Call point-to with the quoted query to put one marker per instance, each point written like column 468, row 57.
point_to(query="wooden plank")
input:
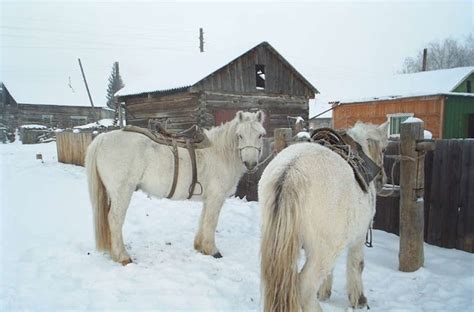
column 452, row 194
column 467, row 198
column 427, row 195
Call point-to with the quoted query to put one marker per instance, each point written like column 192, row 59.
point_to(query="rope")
column 399, row 158
column 261, row 163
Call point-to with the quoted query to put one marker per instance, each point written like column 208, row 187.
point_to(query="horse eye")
column 240, row 137
column 260, row 136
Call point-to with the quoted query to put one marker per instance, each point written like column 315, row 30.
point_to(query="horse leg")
column 311, row 277
column 325, row 290
column 116, row 217
column 355, row 266
column 205, row 237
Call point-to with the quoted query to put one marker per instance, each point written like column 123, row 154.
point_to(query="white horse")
column 120, row 162
column 310, row 199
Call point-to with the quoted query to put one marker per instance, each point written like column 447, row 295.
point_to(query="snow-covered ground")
column 48, row 261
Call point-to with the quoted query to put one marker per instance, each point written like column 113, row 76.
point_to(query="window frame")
column 396, row 115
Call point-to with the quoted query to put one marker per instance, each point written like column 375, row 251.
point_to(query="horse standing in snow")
column 120, row 162
column 310, row 199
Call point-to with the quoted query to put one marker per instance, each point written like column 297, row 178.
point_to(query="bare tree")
column 446, row 54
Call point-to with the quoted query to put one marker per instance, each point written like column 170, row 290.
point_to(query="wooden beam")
column 411, row 256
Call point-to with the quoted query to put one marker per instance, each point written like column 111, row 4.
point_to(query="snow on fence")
column 72, row 146
column 448, row 195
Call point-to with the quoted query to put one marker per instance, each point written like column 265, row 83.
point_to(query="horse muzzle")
column 250, row 165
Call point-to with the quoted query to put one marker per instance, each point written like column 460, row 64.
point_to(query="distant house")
column 8, row 108
column 259, row 79
column 15, row 114
column 443, row 99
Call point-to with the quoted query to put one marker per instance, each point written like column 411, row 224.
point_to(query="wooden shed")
column 443, row 99
column 259, row 79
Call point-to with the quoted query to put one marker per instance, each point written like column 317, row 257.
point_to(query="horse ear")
column 383, row 128
column 260, row 116
column 240, row 115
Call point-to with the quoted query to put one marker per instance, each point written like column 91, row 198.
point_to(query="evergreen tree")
column 115, row 84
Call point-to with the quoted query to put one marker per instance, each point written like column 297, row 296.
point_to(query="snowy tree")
column 115, row 84
column 441, row 55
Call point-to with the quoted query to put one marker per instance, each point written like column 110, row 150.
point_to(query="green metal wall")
column 456, row 113
column 463, row 86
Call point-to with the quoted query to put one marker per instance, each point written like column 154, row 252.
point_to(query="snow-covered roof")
column 433, row 82
column 190, row 69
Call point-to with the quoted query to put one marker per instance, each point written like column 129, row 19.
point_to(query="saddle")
column 190, row 139
column 365, row 169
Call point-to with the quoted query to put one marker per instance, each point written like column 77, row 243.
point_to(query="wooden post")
column 411, row 255
column 282, row 137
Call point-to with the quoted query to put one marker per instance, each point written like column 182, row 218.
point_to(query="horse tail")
column 99, row 199
column 281, row 241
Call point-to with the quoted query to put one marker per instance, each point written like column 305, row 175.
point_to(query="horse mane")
column 223, row 138
column 363, row 131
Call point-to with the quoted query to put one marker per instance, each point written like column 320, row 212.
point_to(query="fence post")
column 411, row 255
column 282, row 137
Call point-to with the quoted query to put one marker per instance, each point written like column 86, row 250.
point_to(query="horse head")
column 373, row 140
column 249, row 134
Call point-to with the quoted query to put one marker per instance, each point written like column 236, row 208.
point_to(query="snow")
column 49, row 263
column 303, row 135
column 412, row 120
column 101, row 123
column 427, row 135
column 380, row 87
column 34, row 127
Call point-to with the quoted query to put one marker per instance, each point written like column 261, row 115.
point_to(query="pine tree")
column 115, row 84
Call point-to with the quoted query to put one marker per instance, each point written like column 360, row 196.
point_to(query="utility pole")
column 201, row 40
column 85, row 82
column 425, row 56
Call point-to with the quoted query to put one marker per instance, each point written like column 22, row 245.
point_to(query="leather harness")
column 365, row 169
column 190, row 139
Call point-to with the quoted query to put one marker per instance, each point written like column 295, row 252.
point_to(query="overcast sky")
column 331, row 43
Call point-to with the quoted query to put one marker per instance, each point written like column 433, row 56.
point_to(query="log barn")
column 259, row 79
column 443, row 99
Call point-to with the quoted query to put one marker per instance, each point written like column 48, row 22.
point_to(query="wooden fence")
column 72, row 147
column 448, row 196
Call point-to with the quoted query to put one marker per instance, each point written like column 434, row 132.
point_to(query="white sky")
column 330, row 43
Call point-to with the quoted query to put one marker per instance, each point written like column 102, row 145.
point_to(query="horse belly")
column 159, row 174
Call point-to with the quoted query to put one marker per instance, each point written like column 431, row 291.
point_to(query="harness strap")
column 192, row 156
column 176, row 169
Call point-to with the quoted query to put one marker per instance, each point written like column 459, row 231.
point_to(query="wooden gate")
column 448, row 196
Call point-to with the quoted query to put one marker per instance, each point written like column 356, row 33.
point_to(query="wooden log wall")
column 72, row 147
column 448, row 197
column 179, row 110
column 276, row 108
column 61, row 114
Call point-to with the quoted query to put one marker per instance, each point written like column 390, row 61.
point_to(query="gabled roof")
column 405, row 85
column 193, row 70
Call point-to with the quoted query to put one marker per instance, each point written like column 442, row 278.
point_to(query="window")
column 47, row 119
column 78, row 120
column 260, row 76
column 395, row 121
column 468, row 86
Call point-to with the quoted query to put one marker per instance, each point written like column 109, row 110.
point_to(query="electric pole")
column 201, row 40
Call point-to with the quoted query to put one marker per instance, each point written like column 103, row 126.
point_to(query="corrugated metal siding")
column 456, row 115
column 463, row 86
column 427, row 108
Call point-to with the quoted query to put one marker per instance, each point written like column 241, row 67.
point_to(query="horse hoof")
column 126, row 261
column 217, row 255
